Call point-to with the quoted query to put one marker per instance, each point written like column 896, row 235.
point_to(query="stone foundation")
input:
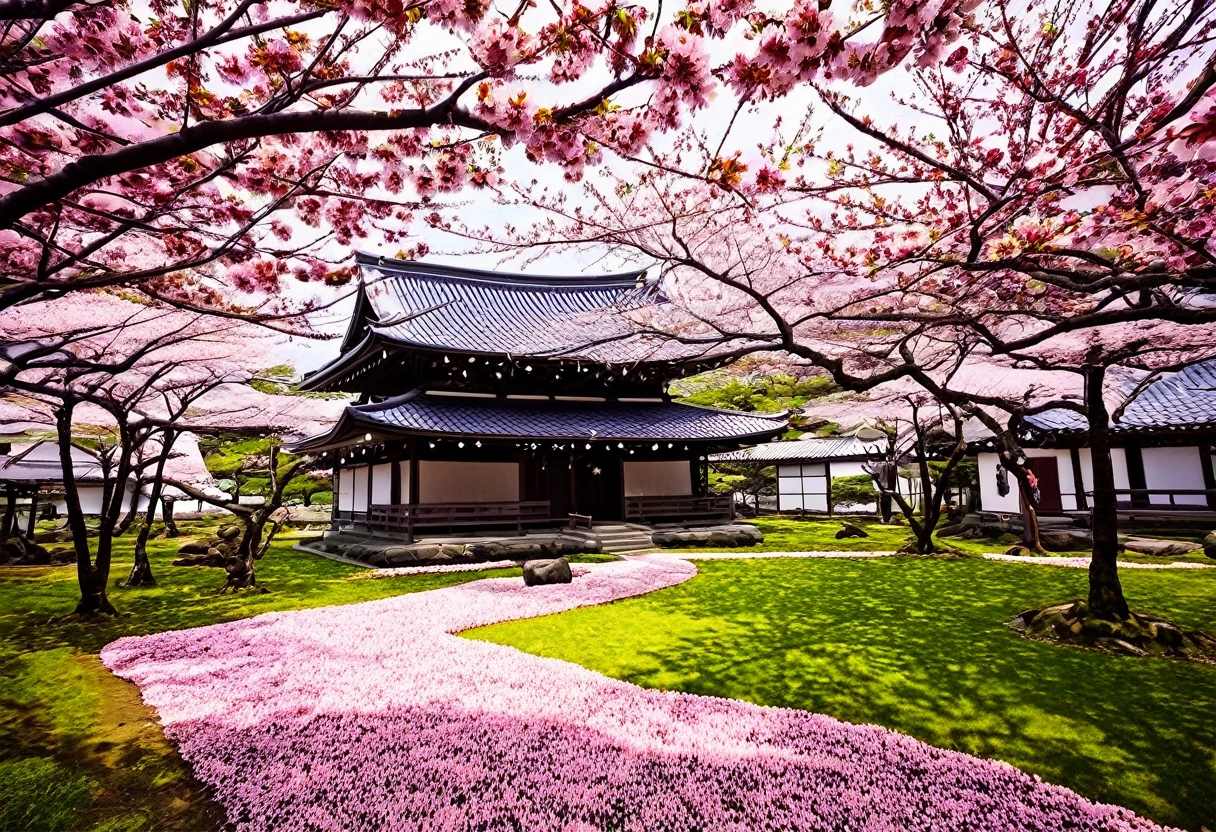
column 726, row 537
column 388, row 553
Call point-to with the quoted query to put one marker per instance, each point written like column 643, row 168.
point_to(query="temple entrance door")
column 598, row 487
column 557, row 480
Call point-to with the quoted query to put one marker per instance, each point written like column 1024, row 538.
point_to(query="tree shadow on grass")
column 921, row 646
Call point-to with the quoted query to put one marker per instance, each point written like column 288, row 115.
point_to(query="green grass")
column 78, row 748
column 786, row 533
column 920, row 645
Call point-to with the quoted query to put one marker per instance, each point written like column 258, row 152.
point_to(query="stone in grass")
column 848, row 530
column 1019, row 551
column 1066, row 541
column 194, row 547
column 540, row 572
column 1209, row 545
column 1160, row 548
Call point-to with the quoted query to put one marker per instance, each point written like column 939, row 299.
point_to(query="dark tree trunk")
column 1030, row 520
column 166, row 512
column 92, row 581
column 141, row 569
column 307, row 499
column 1105, row 592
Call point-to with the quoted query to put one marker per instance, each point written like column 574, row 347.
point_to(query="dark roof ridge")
column 620, row 279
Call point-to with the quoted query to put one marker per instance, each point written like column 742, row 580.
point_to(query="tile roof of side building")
column 1182, row 400
column 804, row 450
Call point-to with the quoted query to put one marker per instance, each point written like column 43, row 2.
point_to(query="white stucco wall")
column 1180, row 468
column 467, row 482
column 346, row 489
column 382, row 484
column 359, row 476
column 660, row 478
column 991, row 501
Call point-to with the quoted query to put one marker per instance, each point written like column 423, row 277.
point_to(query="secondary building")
column 806, row 468
column 1163, row 454
column 491, row 400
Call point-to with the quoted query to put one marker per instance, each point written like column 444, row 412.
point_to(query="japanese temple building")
column 491, row 400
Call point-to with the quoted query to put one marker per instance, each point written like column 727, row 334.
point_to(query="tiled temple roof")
column 418, row 413
column 804, row 449
column 594, row 318
column 1185, row 400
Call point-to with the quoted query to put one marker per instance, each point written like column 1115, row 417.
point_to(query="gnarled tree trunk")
column 1105, row 591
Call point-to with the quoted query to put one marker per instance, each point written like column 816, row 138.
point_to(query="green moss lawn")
column 78, row 749
column 817, row 534
column 920, row 645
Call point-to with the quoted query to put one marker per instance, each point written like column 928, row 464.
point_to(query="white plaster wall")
column 359, row 478
column 382, row 484
column 346, row 489
column 1174, row 468
column 467, row 482
column 662, row 478
column 990, row 500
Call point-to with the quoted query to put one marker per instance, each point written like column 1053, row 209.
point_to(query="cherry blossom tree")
column 203, row 153
column 1040, row 199
column 134, row 377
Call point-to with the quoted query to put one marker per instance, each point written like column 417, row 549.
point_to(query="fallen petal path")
column 374, row 717
column 1083, row 563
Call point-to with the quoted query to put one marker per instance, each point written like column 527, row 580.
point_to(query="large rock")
column 194, row 547
column 733, row 536
column 1209, row 545
column 540, row 572
column 849, row 530
column 229, row 532
column 1160, row 548
column 1065, row 541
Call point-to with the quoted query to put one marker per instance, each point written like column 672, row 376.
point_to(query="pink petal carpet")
column 374, row 717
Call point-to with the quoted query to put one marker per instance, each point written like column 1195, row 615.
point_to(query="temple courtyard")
column 892, row 694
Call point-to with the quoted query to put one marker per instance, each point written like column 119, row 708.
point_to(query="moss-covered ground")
column 921, row 645
column 78, row 748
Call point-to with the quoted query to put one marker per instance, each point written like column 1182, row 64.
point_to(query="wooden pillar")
column 1078, row 480
column 1209, row 476
column 827, row 479
column 333, row 506
column 413, row 451
column 33, row 518
column 573, row 488
column 1135, row 473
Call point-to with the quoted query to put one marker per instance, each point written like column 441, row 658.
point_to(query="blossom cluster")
column 374, row 716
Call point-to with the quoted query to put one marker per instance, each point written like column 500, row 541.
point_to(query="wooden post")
column 1209, row 476
column 827, row 479
column 1135, row 474
column 33, row 518
column 1078, row 480
column 333, row 505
